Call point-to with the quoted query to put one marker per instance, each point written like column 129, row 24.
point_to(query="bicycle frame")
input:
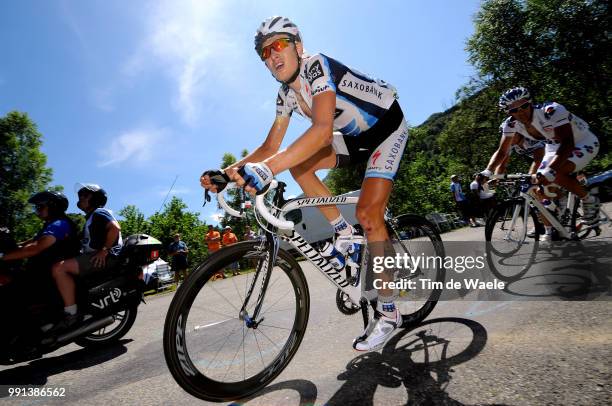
column 529, row 199
column 296, row 241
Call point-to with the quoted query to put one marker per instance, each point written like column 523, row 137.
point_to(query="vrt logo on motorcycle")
column 113, row 297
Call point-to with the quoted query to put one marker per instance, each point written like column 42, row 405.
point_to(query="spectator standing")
column 178, row 251
column 461, row 201
column 249, row 234
column 213, row 241
column 230, row 238
column 482, row 198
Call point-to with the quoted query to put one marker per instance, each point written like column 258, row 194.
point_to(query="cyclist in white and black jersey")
column 355, row 118
column 570, row 145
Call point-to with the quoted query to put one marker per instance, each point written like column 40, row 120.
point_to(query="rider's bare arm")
column 112, row 234
column 31, row 249
column 319, row 135
column 501, row 154
column 565, row 136
column 269, row 147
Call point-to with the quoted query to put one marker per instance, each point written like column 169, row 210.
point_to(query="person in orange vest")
column 213, row 240
column 230, row 238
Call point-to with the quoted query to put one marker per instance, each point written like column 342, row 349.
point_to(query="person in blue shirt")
column 100, row 246
column 178, row 251
column 56, row 240
column 461, row 201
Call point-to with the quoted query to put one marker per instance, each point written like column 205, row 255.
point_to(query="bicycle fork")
column 264, row 269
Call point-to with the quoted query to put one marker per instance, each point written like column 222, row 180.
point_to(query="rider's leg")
column 370, row 212
column 64, row 280
column 585, row 150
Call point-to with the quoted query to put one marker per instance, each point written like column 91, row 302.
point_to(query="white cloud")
column 193, row 44
column 136, row 146
column 216, row 217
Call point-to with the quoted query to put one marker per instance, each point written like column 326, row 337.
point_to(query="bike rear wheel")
column 415, row 236
column 213, row 348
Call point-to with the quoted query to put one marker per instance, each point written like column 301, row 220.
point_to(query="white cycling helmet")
column 512, row 95
column 275, row 25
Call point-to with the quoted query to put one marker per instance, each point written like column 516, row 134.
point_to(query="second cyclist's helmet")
column 511, row 95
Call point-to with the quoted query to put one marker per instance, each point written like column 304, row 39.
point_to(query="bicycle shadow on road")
column 38, row 371
column 419, row 358
column 568, row 271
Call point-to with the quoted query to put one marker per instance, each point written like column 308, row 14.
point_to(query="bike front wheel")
column 511, row 249
column 215, row 348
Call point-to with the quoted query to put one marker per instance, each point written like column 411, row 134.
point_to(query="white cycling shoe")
column 379, row 330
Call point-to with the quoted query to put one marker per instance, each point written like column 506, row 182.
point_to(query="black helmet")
column 56, row 202
column 98, row 195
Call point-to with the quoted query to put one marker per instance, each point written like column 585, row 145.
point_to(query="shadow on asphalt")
column 306, row 389
column 419, row 358
column 38, row 371
column 568, row 271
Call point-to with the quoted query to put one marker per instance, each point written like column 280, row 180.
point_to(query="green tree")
column 234, row 198
column 176, row 219
column 133, row 221
column 23, row 172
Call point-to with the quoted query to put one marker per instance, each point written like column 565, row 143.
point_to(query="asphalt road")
column 466, row 353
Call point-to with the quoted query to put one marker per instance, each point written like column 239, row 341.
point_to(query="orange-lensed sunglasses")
column 277, row 45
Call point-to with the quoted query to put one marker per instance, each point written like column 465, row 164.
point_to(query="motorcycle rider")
column 101, row 245
column 57, row 238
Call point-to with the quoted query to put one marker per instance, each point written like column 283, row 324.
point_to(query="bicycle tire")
column 405, row 230
column 526, row 248
column 180, row 357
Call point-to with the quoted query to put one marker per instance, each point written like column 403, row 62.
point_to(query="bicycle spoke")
column 258, row 348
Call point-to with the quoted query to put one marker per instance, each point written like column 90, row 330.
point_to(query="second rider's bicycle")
column 228, row 339
column 511, row 251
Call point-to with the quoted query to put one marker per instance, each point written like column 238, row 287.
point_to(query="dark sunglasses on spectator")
column 277, row 45
column 521, row 107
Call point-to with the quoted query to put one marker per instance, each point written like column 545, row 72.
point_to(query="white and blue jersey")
column 368, row 122
column 360, row 99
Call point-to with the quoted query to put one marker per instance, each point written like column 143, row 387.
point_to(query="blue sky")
column 131, row 94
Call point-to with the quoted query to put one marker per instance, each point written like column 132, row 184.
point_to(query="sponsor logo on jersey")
column 375, row 156
column 320, row 89
column 314, row 72
column 355, row 83
column 395, row 151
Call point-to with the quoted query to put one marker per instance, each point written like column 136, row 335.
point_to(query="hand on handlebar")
column 254, row 177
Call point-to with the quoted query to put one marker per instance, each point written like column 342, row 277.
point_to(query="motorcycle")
column 108, row 302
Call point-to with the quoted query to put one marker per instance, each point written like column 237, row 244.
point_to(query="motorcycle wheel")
column 124, row 320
